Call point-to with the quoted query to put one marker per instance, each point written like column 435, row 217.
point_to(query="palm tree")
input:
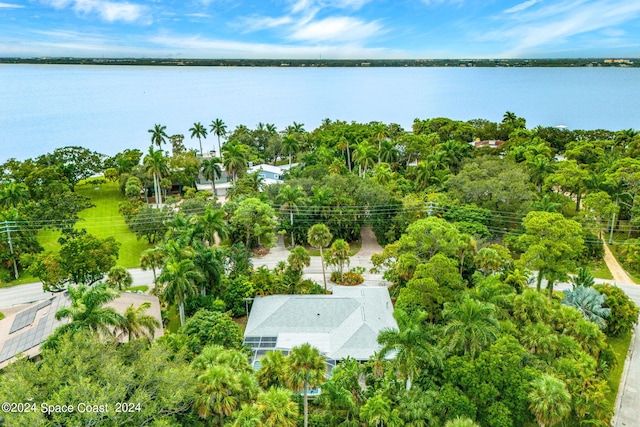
column 343, row 144
column 13, row 194
column 248, row 416
column 218, row 392
column 179, row 278
column 583, row 278
column 389, row 152
column 290, row 146
column 339, row 255
column 299, row 258
column 210, row 262
column 87, row 311
column 218, row 128
column 377, row 412
column 158, row 135
column 589, row 302
column 277, row 408
column 137, row 324
column 319, row 237
column 151, row 259
column 198, row 131
column 290, row 199
column 549, row 400
column 212, row 222
column 307, row 370
column 211, row 170
column 461, row 422
column 156, row 165
column 471, row 325
column 235, row 158
column 119, row 277
column 364, row 156
column 274, row 370
column 412, row 344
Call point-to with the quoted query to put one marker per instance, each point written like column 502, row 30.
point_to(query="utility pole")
column 10, row 226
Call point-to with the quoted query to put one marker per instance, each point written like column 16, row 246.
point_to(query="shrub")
column 624, row 312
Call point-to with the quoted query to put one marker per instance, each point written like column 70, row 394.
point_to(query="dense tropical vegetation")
column 479, row 222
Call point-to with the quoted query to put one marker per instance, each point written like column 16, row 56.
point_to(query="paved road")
column 31, row 292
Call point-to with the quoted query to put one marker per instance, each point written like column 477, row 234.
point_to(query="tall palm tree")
column 211, row 170
column 290, row 199
column 343, row 144
column 156, row 165
column 319, row 237
column 179, row 278
column 137, row 324
column 218, row 128
column 277, row 408
column 290, row 146
column 412, row 344
column 471, row 325
column 152, row 259
column 212, row 223
column 210, row 263
column 549, row 400
column 364, row 156
column 389, row 152
column 159, row 135
column 87, row 311
column 307, row 370
column 199, row 132
column 235, row 158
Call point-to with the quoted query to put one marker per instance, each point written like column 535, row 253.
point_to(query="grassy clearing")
column 599, row 270
column 103, row 221
column 621, row 346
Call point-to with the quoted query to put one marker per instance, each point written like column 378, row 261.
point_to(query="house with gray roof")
column 344, row 324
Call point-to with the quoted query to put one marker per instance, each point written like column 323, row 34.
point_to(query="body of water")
column 110, row 108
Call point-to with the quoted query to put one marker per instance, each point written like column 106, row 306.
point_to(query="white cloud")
column 261, row 23
column 339, row 28
column 522, row 6
column 613, row 32
column 10, row 6
column 207, row 48
column 552, row 25
column 107, row 10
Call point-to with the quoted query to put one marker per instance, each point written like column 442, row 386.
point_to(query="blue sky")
column 320, row 28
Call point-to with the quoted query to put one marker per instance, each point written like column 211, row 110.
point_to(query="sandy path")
column 618, row 273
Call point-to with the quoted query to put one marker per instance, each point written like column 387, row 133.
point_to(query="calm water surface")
column 110, row 108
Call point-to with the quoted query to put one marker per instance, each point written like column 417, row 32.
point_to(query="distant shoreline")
column 362, row 63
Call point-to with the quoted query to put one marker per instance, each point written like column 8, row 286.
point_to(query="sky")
column 314, row 29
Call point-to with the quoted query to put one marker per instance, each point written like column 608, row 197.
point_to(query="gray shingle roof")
column 346, row 323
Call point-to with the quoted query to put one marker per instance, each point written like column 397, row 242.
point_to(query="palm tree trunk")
column 213, row 188
column 181, row 309
column 289, row 161
column 200, row 142
column 291, row 219
column 324, row 277
column 349, row 158
column 550, row 288
column 306, row 406
column 219, row 148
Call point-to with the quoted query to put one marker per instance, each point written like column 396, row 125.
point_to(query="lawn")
column 599, row 270
column 621, row 346
column 103, row 221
